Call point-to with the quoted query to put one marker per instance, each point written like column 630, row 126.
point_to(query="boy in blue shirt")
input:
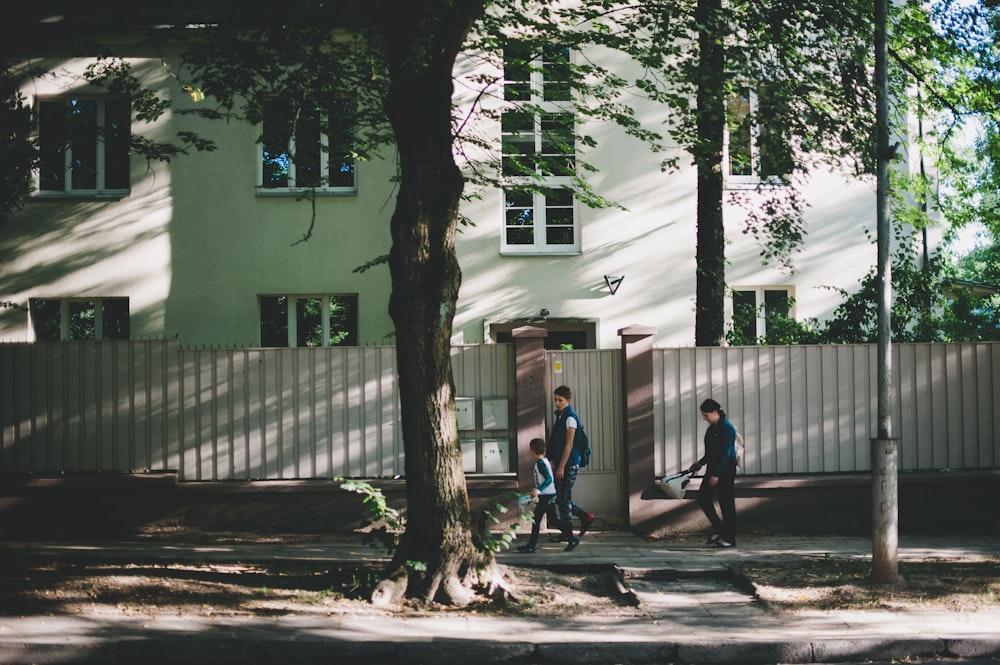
column 544, row 491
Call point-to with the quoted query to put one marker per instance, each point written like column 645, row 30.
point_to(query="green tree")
column 946, row 52
column 397, row 60
column 18, row 154
column 44, row 25
column 809, row 65
column 812, row 62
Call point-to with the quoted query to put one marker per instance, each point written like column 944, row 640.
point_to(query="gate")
column 595, row 377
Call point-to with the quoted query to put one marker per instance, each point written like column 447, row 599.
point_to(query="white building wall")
column 193, row 245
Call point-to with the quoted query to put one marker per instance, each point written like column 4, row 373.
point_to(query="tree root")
column 456, row 585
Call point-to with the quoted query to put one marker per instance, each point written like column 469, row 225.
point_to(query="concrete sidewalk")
column 697, row 618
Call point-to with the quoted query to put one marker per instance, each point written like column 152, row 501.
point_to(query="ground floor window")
column 55, row 319
column 309, row 320
column 755, row 308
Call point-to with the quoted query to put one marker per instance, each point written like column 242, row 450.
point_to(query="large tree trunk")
column 422, row 40
column 710, row 289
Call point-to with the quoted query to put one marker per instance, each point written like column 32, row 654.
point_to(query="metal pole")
column 885, row 449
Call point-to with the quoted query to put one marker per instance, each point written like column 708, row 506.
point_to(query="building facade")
column 210, row 248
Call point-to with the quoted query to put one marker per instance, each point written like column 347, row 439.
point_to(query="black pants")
column 725, row 491
column 546, row 506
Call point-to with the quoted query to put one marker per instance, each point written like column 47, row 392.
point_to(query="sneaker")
column 573, row 542
column 723, row 543
column 585, row 522
column 713, row 539
column 560, row 539
column 526, row 549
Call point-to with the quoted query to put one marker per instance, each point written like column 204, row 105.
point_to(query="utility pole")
column 885, row 449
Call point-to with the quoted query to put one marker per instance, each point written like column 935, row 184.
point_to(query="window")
column 539, row 153
column 308, row 146
column 77, row 319
column 309, row 320
column 757, row 309
column 754, row 152
column 84, row 146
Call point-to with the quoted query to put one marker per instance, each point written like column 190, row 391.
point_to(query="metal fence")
column 813, row 409
column 214, row 414
column 235, row 414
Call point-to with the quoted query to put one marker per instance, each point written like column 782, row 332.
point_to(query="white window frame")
column 735, row 181
column 100, row 190
column 64, row 317
column 754, row 179
column 324, row 167
column 293, row 322
column 759, row 299
column 540, row 107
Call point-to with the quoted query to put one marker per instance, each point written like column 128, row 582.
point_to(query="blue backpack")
column 582, row 444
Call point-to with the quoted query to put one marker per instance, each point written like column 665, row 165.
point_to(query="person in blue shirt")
column 543, row 492
column 720, row 474
column 565, row 459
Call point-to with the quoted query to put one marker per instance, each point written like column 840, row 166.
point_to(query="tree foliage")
column 945, row 73
column 396, row 62
column 808, row 63
column 18, row 152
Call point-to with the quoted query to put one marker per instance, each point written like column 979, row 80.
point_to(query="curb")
column 206, row 648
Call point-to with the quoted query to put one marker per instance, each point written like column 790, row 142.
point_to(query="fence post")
column 529, row 372
column 637, row 409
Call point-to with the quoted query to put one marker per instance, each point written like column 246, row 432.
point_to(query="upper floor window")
column 330, row 320
column 307, row 146
column 757, row 310
column 79, row 318
column 84, row 146
column 539, row 153
column 532, row 76
column 755, row 152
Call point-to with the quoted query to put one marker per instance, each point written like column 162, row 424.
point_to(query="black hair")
column 710, row 405
column 537, row 446
column 563, row 391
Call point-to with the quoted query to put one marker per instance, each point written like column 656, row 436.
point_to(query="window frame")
column 291, row 314
column 292, row 188
column 66, row 316
column 755, row 179
column 550, row 188
column 100, row 156
column 760, row 306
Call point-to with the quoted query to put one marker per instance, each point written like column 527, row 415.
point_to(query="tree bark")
column 422, row 40
column 710, row 290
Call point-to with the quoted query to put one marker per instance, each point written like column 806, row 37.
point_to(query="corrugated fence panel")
column 595, row 377
column 302, row 413
column 484, row 370
column 813, row 409
column 289, row 413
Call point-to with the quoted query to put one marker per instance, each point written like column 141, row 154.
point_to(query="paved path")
column 697, row 618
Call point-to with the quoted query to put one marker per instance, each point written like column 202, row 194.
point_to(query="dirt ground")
column 836, row 584
column 103, row 589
